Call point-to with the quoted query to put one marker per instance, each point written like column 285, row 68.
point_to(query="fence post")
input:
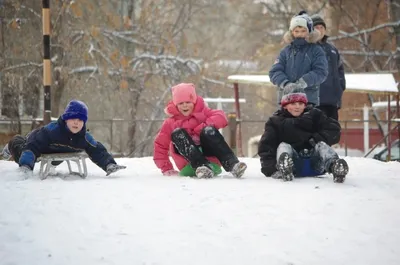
column 345, row 138
column 21, row 97
column 1, row 99
column 232, row 131
column 111, row 134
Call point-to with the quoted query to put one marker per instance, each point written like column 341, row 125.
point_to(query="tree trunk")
column 395, row 12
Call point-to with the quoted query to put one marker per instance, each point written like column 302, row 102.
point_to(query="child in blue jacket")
column 66, row 135
column 302, row 63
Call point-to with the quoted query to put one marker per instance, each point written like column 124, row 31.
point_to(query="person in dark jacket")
column 66, row 135
column 331, row 90
column 295, row 134
column 302, row 63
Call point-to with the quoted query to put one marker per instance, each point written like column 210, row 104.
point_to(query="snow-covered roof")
column 261, row 79
column 383, row 104
column 364, row 83
column 371, row 83
column 224, row 100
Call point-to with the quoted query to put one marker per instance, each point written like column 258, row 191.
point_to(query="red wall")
column 354, row 138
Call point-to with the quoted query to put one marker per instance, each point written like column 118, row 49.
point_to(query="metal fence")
column 116, row 134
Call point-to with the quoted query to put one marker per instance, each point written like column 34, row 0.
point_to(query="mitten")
column 171, row 172
column 198, row 128
column 289, row 87
column 301, row 83
column 26, row 171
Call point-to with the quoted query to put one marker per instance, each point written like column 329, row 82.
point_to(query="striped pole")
column 46, row 61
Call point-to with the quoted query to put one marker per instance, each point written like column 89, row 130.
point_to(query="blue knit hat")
column 75, row 110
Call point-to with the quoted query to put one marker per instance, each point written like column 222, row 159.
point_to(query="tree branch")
column 353, row 34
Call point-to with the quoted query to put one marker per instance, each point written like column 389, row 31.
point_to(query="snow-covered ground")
column 139, row 216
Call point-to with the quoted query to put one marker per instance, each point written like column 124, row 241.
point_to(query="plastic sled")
column 188, row 171
column 304, row 169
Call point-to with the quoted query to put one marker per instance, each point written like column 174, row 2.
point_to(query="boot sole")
column 340, row 170
column 238, row 173
column 204, row 173
column 285, row 164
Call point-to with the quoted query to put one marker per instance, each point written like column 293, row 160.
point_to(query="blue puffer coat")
column 331, row 90
column 55, row 137
column 302, row 58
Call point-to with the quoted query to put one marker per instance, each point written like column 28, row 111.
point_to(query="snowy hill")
column 139, row 216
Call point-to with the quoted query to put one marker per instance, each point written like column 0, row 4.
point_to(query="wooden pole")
column 46, row 61
column 239, row 150
column 389, row 139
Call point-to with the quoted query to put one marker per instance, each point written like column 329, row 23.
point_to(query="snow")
column 139, row 216
column 383, row 104
column 364, row 83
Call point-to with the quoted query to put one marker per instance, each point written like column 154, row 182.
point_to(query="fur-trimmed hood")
column 313, row 37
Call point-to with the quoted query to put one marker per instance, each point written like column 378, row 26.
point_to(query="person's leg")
column 325, row 109
column 287, row 161
column 15, row 146
column 214, row 144
column 330, row 111
column 335, row 113
column 186, row 147
column 325, row 159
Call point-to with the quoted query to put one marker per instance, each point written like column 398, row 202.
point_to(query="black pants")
column 212, row 143
column 16, row 146
column 330, row 111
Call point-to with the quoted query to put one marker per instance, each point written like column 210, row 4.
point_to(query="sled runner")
column 47, row 159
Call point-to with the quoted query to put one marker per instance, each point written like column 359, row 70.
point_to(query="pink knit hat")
column 294, row 97
column 184, row 92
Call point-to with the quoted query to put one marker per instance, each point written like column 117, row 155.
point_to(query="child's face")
column 299, row 32
column 186, row 108
column 74, row 125
column 296, row 108
column 321, row 30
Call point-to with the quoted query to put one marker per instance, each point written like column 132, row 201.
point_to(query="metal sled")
column 78, row 158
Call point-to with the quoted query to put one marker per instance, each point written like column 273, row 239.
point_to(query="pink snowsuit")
column 201, row 117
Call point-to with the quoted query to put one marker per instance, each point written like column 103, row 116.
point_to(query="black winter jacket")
column 296, row 131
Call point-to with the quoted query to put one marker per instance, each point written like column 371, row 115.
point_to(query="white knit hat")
column 302, row 20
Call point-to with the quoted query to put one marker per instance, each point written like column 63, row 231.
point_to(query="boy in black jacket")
column 66, row 135
column 295, row 132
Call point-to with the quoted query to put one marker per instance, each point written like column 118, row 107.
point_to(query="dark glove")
column 112, row 168
column 312, row 142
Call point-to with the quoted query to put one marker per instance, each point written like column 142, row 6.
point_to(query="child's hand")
column 171, row 172
column 198, row 128
column 196, row 139
column 301, row 83
column 112, row 168
column 289, row 88
column 26, row 171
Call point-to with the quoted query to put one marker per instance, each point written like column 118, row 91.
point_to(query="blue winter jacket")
column 300, row 59
column 55, row 137
column 331, row 90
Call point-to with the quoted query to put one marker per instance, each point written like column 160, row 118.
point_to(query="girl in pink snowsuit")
column 190, row 135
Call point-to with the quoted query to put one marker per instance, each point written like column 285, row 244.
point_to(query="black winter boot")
column 339, row 169
column 285, row 166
